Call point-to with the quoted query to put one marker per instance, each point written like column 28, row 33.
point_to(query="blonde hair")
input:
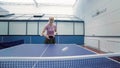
column 51, row 18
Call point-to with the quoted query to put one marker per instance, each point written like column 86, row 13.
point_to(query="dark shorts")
column 50, row 41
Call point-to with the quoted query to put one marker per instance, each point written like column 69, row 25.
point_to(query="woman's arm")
column 43, row 31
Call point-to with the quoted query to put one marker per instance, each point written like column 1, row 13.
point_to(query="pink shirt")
column 50, row 29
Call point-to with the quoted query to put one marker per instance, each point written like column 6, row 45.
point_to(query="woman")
column 51, row 29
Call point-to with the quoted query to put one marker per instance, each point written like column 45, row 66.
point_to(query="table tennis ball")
column 65, row 48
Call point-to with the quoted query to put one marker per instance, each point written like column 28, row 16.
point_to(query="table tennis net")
column 85, row 61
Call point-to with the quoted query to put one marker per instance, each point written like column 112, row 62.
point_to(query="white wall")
column 104, row 24
column 32, row 9
column 103, row 44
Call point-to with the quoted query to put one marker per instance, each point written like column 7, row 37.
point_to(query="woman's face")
column 51, row 19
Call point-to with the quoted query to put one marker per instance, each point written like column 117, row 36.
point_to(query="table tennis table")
column 54, row 50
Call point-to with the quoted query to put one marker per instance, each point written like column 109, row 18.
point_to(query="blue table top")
column 42, row 50
column 57, row 50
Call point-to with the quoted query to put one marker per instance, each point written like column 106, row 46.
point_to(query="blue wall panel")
column 70, row 39
column 0, row 38
column 13, row 38
column 36, row 39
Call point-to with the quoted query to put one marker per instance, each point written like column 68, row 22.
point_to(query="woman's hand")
column 47, row 36
column 55, row 33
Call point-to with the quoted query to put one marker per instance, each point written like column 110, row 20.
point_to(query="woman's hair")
column 51, row 19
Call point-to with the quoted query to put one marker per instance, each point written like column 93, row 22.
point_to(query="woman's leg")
column 47, row 41
column 52, row 40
